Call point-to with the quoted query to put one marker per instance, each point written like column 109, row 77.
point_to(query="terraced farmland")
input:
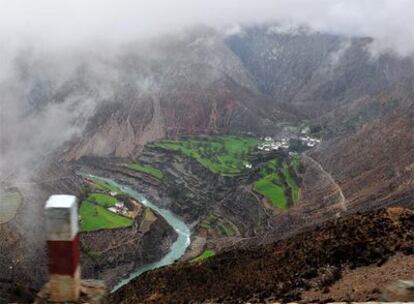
column 278, row 182
column 225, row 155
column 218, row 226
column 147, row 169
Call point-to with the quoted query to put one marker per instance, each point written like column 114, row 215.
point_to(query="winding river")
column 177, row 248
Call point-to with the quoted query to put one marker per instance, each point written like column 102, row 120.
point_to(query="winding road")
column 342, row 201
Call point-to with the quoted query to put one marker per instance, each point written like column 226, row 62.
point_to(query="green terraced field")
column 274, row 179
column 272, row 191
column 205, row 255
column 146, row 169
column 95, row 217
column 293, row 186
column 225, row 155
column 10, row 202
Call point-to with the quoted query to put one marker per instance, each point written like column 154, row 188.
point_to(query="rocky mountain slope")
column 371, row 156
column 285, row 270
column 316, row 71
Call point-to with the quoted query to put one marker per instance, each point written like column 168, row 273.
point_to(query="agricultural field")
column 95, row 217
column 93, row 211
column 217, row 226
column 225, row 155
column 147, row 169
column 10, row 201
column 102, row 199
column 103, row 186
column 268, row 186
column 287, row 169
column 277, row 183
column 205, row 255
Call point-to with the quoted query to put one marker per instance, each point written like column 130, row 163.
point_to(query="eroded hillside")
column 284, row 270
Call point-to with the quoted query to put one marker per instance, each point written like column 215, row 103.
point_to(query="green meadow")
column 225, row 155
column 95, row 216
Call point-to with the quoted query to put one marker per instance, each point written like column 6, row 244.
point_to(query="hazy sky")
column 64, row 22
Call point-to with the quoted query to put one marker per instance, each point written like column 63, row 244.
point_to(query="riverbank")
column 111, row 254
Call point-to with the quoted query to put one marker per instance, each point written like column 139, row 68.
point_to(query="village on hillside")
column 269, row 143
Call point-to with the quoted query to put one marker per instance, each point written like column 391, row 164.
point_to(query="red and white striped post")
column 63, row 248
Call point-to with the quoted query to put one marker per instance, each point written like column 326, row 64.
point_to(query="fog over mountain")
column 46, row 43
column 387, row 21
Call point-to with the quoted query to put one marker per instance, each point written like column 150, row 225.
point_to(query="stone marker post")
column 63, row 248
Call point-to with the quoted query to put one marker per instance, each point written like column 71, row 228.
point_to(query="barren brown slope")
column 373, row 158
column 285, row 269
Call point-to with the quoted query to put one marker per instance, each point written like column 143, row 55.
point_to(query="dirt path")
column 342, row 201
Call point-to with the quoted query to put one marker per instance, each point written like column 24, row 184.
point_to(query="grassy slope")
column 205, row 255
column 102, row 199
column 275, row 193
column 270, row 185
column 225, row 155
column 293, row 186
column 95, row 217
column 146, row 169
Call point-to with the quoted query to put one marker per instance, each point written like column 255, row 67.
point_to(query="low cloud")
column 63, row 23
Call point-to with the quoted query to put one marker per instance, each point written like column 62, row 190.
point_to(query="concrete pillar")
column 63, row 248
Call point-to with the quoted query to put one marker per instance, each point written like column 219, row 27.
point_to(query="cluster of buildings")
column 119, row 208
column 270, row 144
column 309, row 141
